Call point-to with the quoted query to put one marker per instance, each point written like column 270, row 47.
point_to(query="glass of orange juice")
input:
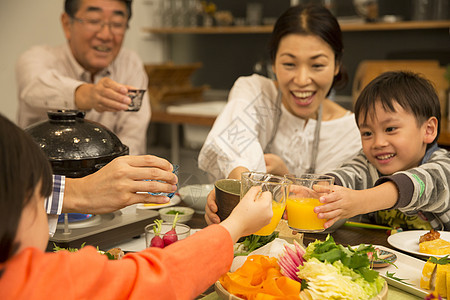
column 277, row 185
column 303, row 197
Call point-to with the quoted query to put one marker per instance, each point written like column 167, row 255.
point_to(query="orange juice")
column 301, row 214
column 278, row 209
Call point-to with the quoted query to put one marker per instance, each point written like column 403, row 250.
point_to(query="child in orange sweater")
column 179, row 271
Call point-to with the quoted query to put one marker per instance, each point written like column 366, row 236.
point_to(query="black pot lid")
column 66, row 136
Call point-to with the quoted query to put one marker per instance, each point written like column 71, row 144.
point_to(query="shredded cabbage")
column 335, row 281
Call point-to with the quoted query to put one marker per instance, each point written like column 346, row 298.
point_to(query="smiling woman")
column 287, row 125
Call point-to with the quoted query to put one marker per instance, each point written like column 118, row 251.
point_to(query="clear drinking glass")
column 303, row 197
column 182, row 231
column 277, row 185
column 170, row 195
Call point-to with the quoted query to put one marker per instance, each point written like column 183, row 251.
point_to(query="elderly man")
column 91, row 72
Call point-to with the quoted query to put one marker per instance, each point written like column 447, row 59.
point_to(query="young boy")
column 400, row 167
column 180, row 271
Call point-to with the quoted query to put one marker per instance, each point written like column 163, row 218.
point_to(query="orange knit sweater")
column 180, row 271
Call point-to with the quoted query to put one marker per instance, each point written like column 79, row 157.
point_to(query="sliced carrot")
column 259, row 278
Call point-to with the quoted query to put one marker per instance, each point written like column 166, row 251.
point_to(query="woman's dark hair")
column 72, row 6
column 23, row 165
column 412, row 92
column 311, row 20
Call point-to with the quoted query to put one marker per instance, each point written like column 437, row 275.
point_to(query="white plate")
column 408, row 268
column 173, row 201
column 408, row 241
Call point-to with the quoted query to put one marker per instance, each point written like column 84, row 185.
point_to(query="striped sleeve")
column 356, row 174
column 429, row 188
column 53, row 204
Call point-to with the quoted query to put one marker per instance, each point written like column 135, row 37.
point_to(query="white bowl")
column 186, row 215
column 195, row 196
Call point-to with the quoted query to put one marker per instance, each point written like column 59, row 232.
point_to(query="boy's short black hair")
column 23, row 165
column 414, row 93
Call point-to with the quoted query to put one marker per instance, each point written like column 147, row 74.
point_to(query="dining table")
column 345, row 235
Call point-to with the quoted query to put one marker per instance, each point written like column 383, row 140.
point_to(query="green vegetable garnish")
column 355, row 259
column 253, row 242
column 174, row 212
column 57, row 248
column 391, row 275
column 303, row 285
column 109, row 255
column 337, row 272
column 442, row 261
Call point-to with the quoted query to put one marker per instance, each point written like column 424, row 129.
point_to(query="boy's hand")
column 344, row 203
column 341, row 203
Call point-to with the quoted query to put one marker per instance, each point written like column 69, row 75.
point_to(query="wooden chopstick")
column 366, row 225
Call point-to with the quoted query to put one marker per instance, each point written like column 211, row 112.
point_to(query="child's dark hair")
column 311, row 19
column 412, row 92
column 23, row 165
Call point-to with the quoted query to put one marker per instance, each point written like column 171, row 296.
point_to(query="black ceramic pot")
column 75, row 147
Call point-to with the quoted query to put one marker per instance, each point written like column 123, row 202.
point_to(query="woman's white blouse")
column 243, row 132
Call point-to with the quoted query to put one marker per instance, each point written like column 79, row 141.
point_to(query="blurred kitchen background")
column 187, row 33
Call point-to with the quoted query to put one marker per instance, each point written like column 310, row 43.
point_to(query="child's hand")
column 253, row 212
column 340, row 203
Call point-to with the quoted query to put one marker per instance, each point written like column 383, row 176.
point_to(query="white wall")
column 24, row 23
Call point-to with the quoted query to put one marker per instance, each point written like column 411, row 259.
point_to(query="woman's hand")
column 275, row 165
column 211, row 216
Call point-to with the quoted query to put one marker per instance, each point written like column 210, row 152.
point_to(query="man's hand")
column 115, row 185
column 105, row 95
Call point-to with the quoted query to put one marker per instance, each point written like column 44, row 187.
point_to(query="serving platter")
column 408, row 241
column 407, row 268
column 225, row 295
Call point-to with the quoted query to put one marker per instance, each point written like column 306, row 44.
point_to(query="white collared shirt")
column 48, row 76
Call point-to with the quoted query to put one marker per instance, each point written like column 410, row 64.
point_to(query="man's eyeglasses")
column 95, row 25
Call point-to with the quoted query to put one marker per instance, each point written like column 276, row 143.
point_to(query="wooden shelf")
column 211, row 30
column 407, row 25
column 161, row 116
